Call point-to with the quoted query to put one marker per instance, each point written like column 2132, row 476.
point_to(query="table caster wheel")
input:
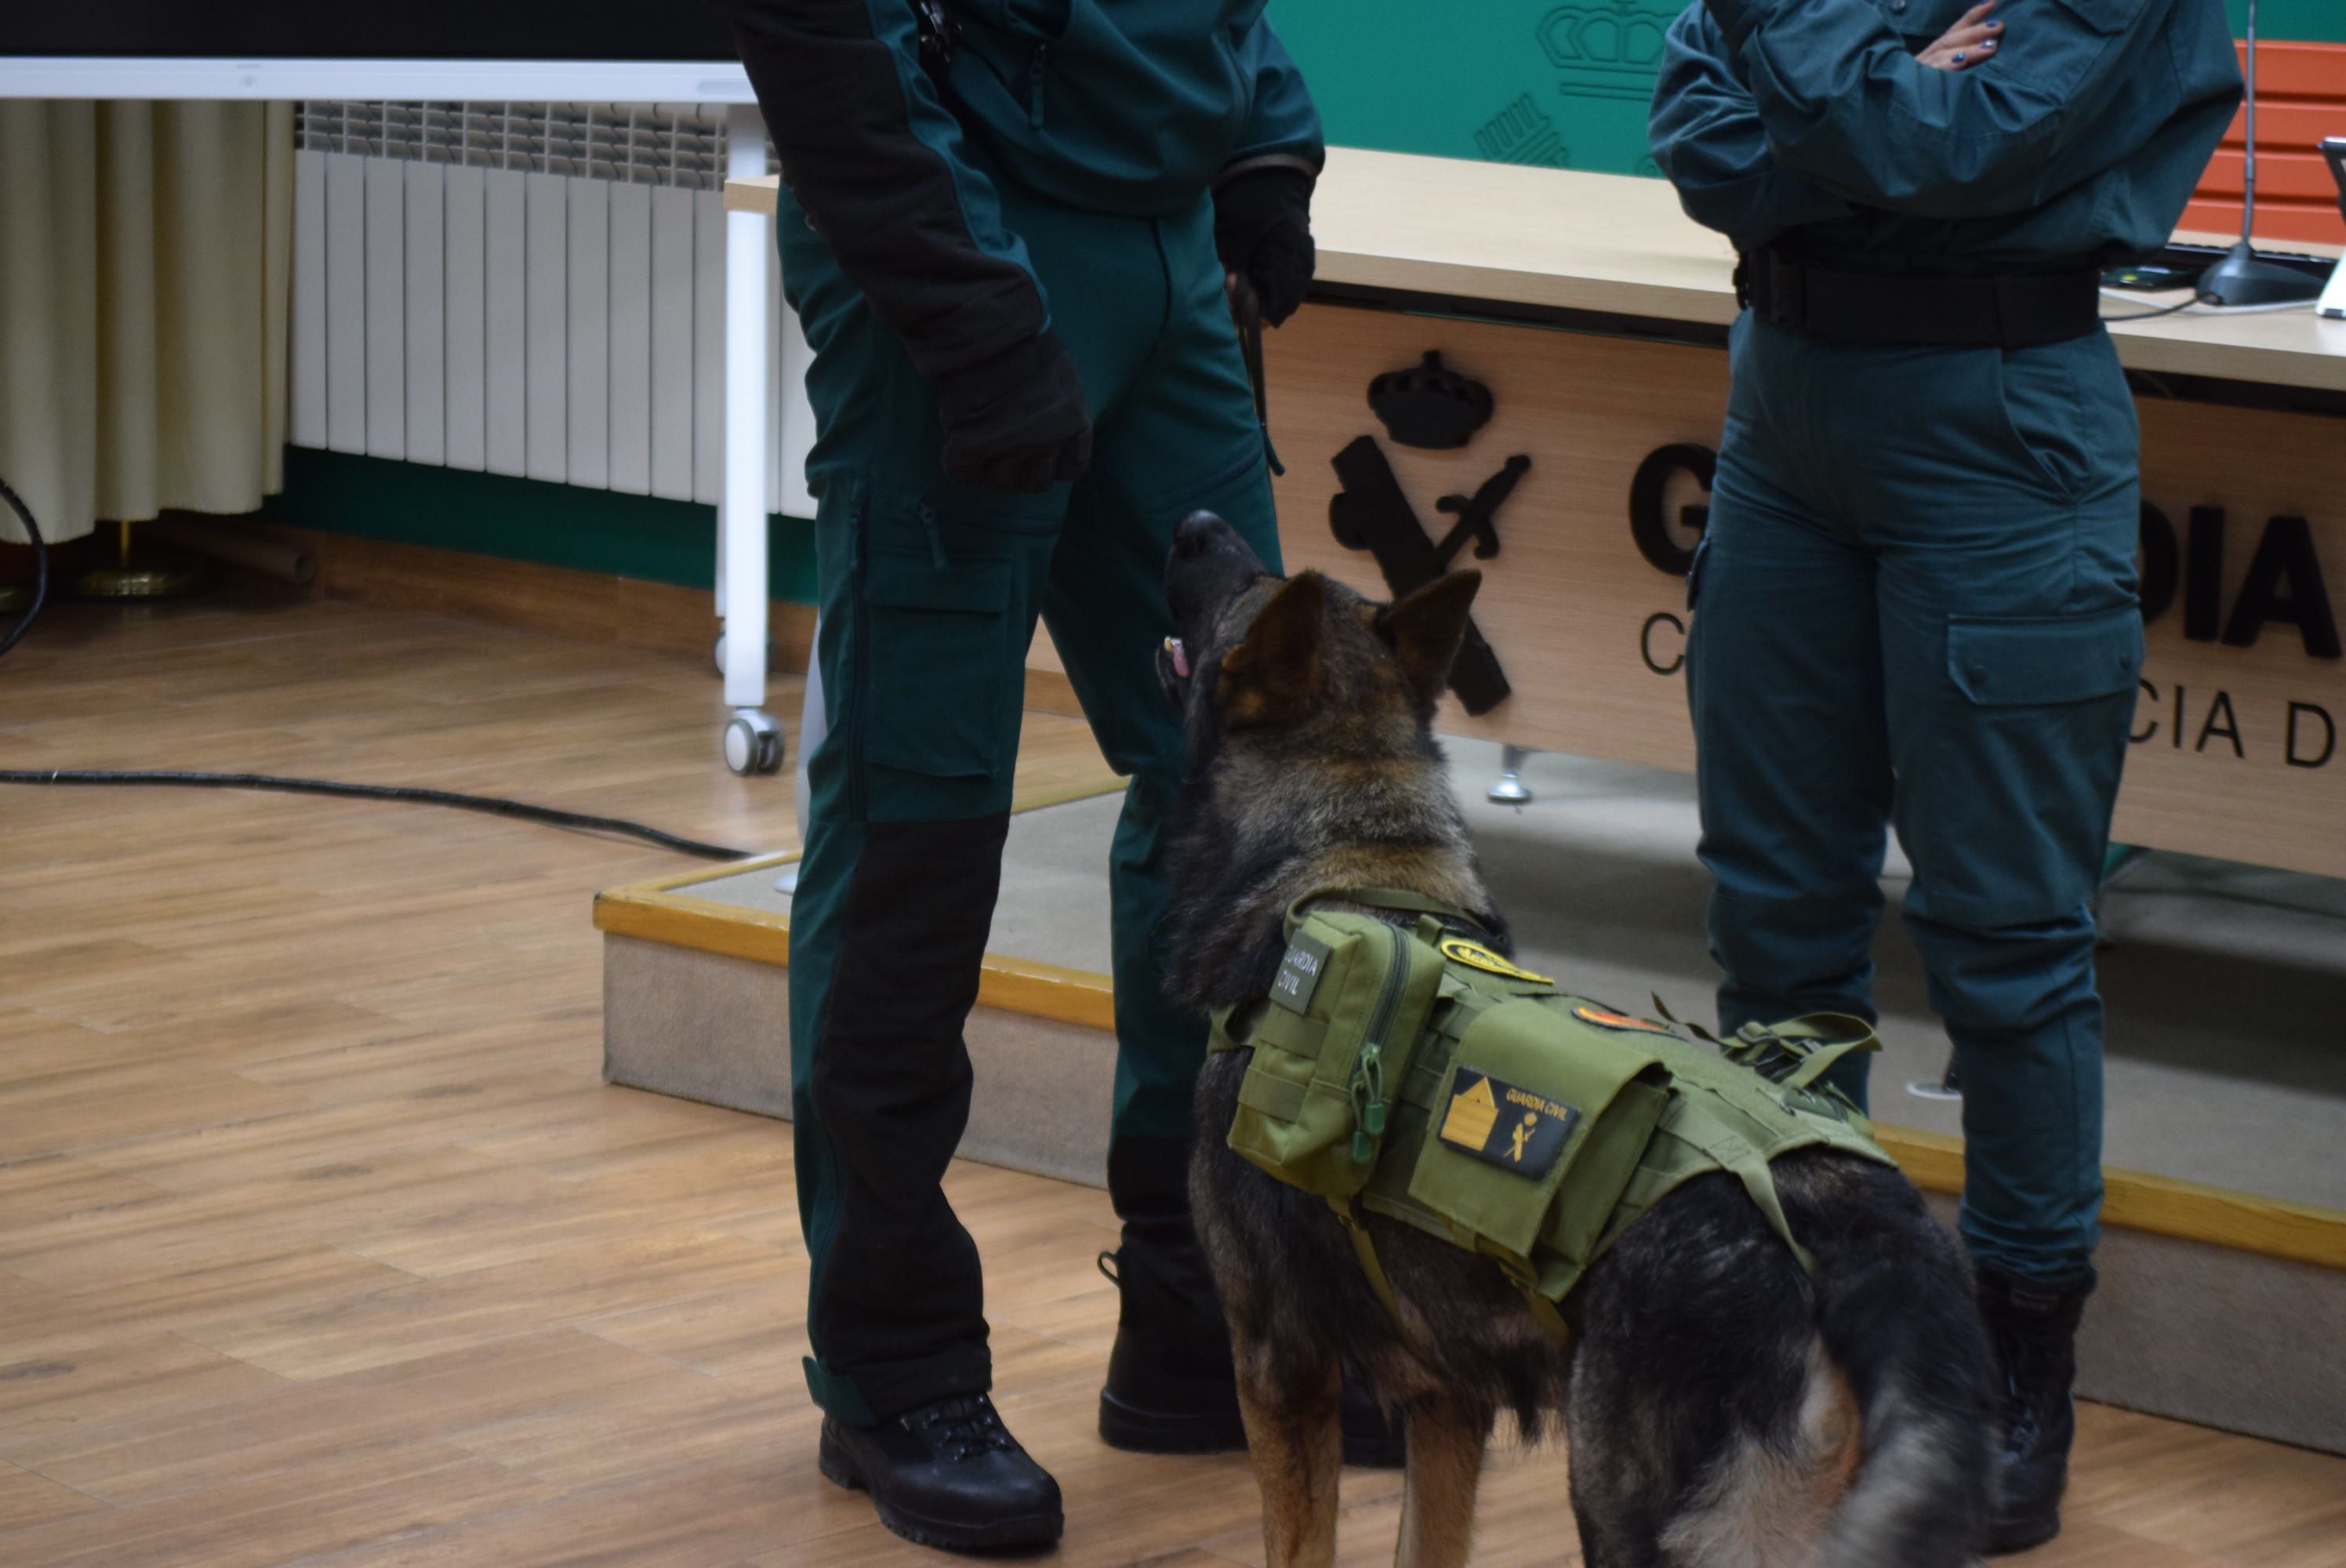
column 753, row 743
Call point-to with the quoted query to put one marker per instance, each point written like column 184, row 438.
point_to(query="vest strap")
column 1257, row 1023
column 1824, row 1057
column 1277, row 1098
column 1365, row 1249
column 1543, row 1310
column 1399, row 899
column 1748, row 1163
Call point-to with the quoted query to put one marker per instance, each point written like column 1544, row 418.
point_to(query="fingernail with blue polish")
column 1959, row 59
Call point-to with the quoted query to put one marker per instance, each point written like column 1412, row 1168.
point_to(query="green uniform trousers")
column 929, row 594
column 1916, row 608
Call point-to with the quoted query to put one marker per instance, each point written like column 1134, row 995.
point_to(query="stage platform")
column 2225, row 1265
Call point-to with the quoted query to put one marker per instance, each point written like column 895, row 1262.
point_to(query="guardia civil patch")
column 1299, row 972
column 1606, row 1018
column 1474, row 955
column 1511, row 1128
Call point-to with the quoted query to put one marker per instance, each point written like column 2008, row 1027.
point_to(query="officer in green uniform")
column 1915, row 595
column 1008, row 227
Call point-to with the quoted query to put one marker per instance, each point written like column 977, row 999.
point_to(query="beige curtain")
column 146, row 251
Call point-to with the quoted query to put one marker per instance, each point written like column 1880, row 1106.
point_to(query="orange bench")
column 2300, row 98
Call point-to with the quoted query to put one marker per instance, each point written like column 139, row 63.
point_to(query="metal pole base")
column 149, row 574
column 1948, row 1087
column 1508, row 788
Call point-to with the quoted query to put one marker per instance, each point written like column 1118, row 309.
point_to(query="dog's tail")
column 1897, row 1319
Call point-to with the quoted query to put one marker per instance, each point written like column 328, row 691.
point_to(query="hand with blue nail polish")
column 1971, row 41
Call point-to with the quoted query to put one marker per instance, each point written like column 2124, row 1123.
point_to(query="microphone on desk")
column 2240, row 278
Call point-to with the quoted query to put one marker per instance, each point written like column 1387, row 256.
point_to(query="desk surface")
column 442, row 81
column 1618, row 243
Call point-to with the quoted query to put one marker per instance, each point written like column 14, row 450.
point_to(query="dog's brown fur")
column 1725, row 1410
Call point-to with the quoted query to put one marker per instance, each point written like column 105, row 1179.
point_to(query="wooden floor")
column 320, row 1241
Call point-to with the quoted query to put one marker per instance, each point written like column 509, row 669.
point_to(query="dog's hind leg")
column 1623, row 1471
column 1296, row 1440
column 1445, row 1465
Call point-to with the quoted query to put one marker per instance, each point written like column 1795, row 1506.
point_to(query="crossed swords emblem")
column 1370, row 513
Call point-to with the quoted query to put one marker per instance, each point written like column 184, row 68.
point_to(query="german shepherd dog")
column 1723, row 1408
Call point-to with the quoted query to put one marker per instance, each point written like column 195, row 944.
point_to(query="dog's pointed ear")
column 1273, row 675
column 1426, row 628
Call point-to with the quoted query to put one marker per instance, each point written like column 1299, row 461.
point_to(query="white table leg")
column 753, row 741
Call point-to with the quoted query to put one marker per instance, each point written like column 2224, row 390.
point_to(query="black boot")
column 948, row 1474
column 1171, row 1385
column 2033, row 1324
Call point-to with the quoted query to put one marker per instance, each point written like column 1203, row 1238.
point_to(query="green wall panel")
column 1517, row 81
column 1531, row 81
column 2324, row 20
column 526, row 520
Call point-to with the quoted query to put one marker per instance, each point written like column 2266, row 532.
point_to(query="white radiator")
column 528, row 290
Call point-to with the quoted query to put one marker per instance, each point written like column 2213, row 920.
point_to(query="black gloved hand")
column 1016, row 421
column 1263, row 232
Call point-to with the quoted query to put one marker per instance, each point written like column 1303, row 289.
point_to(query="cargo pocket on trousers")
column 2006, row 788
column 940, row 691
column 2044, row 661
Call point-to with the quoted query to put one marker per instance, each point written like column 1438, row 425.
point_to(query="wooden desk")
column 1609, row 305
column 1603, row 242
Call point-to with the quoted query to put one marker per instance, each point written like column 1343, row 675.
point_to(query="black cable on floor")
column 493, row 805
column 40, row 569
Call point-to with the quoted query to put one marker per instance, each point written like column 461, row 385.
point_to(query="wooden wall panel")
column 1569, row 601
column 1566, row 601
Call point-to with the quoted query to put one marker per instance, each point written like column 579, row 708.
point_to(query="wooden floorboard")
column 322, row 1241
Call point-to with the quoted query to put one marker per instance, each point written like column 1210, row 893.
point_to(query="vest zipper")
column 1368, row 1074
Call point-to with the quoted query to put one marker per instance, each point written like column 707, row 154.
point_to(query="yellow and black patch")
column 1510, row 1127
column 1474, row 955
column 1606, row 1018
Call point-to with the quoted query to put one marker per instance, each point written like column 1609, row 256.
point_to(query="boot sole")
column 1020, row 1532
column 1135, row 1431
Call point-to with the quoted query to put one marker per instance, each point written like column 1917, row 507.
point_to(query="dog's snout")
column 1197, row 534
column 1210, row 563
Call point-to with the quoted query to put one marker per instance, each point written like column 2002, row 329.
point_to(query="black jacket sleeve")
column 869, row 151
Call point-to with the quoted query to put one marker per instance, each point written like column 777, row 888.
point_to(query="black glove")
column 1016, row 421
column 1262, row 231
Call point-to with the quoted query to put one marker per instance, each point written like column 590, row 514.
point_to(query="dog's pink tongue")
column 1180, row 657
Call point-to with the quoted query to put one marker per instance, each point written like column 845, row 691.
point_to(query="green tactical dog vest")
column 1417, row 1075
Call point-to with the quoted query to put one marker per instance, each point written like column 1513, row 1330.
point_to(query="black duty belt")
column 2010, row 311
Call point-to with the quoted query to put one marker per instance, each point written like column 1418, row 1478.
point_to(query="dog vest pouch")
column 1530, row 1096
column 1332, row 1043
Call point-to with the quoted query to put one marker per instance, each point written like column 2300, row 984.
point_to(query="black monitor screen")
column 371, row 29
